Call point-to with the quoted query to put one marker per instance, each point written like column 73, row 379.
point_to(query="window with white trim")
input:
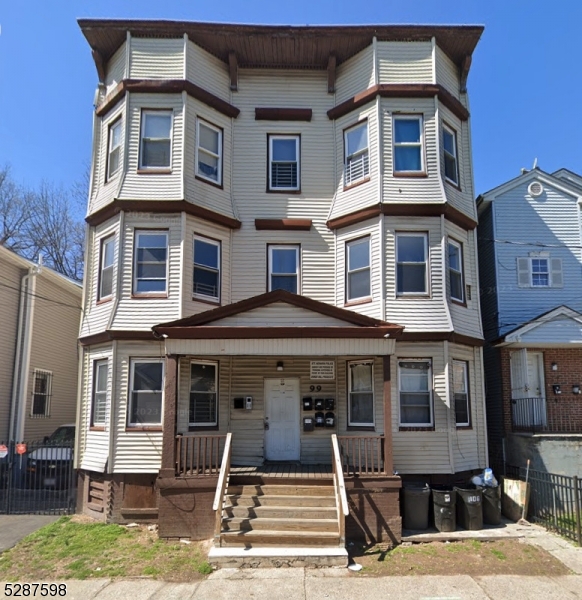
column 156, row 139
column 114, row 149
column 358, row 284
column 208, row 152
column 415, row 392
column 361, row 394
column 284, row 268
column 539, row 270
column 146, row 391
column 203, row 394
column 106, row 259
column 41, row 393
column 407, row 144
column 284, row 162
column 461, row 393
column 151, row 262
column 356, row 159
column 411, row 263
column 450, row 154
column 206, row 277
column 455, row 256
column 99, row 400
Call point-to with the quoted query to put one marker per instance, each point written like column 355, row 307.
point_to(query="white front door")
column 282, row 418
column 535, row 380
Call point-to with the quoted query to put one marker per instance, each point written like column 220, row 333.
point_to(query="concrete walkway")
column 13, row 528
column 329, row 584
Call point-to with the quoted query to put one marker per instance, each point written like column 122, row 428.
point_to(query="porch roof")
column 297, row 317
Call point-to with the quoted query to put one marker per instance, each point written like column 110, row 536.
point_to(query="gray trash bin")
column 416, row 499
column 444, row 501
column 469, row 507
column 491, row 505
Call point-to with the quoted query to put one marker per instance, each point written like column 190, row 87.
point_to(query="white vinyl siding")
column 249, row 183
column 404, row 62
column 355, row 75
column 447, row 73
column 208, row 72
column 157, row 58
column 152, row 185
column 116, row 69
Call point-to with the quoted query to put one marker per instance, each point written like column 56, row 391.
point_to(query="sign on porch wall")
column 322, row 369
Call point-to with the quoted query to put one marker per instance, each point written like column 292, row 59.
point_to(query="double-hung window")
column 206, row 268
column 284, row 268
column 41, row 394
column 415, row 391
column 358, row 269
column 99, row 400
column 151, row 262
column 461, row 393
column 284, row 162
column 408, row 153
column 411, row 263
column 114, row 149
column 455, row 254
column 357, row 161
column 146, row 391
column 540, row 270
column 361, row 394
column 209, row 152
column 203, row 394
column 106, row 259
column 450, row 154
column 156, row 139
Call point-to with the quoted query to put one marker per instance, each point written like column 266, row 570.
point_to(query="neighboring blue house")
column 530, row 263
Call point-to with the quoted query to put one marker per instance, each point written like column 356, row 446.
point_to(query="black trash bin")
column 469, row 507
column 491, row 505
column 444, row 500
column 416, row 499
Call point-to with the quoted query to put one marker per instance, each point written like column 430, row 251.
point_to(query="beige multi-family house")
column 41, row 312
column 281, row 287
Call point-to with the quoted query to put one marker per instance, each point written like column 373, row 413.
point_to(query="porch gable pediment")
column 278, row 313
column 559, row 326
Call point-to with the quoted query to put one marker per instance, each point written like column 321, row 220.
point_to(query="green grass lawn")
column 80, row 550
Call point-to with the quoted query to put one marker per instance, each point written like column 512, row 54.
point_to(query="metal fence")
column 37, row 478
column 555, row 501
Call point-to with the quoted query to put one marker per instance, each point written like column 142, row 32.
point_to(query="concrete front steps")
column 279, row 524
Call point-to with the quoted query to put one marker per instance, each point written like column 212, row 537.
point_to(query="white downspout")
column 23, row 344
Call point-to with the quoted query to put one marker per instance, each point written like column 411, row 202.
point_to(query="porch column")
column 170, row 404
column 388, row 463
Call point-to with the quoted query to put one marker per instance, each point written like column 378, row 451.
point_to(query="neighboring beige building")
column 41, row 312
column 282, row 228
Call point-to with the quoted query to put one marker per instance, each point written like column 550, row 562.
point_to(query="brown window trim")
column 299, row 165
column 139, row 428
column 215, row 303
column 192, row 428
column 416, row 296
column 212, row 183
column 283, row 114
column 361, row 428
column 154, row 171
column 96, row 428
column 464, row 427
column 358, row 183
column 366, row 300
column 146, row 296
column 427, row 428
column 404, row 174
column 104, row 300
column 458, row 302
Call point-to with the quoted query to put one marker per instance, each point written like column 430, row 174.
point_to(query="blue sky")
column 525, row 85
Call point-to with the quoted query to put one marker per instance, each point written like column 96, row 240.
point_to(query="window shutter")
column 523, row 277
column 556, row 269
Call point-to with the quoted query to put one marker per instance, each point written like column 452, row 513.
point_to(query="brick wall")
column 564, row 411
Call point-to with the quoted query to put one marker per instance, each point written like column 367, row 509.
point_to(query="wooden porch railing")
column 198, row 455
column 341, row 497
column 362, row 455
column 221, row 487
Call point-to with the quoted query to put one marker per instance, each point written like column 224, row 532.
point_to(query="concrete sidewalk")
column 13, row 528
column 329, row 584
